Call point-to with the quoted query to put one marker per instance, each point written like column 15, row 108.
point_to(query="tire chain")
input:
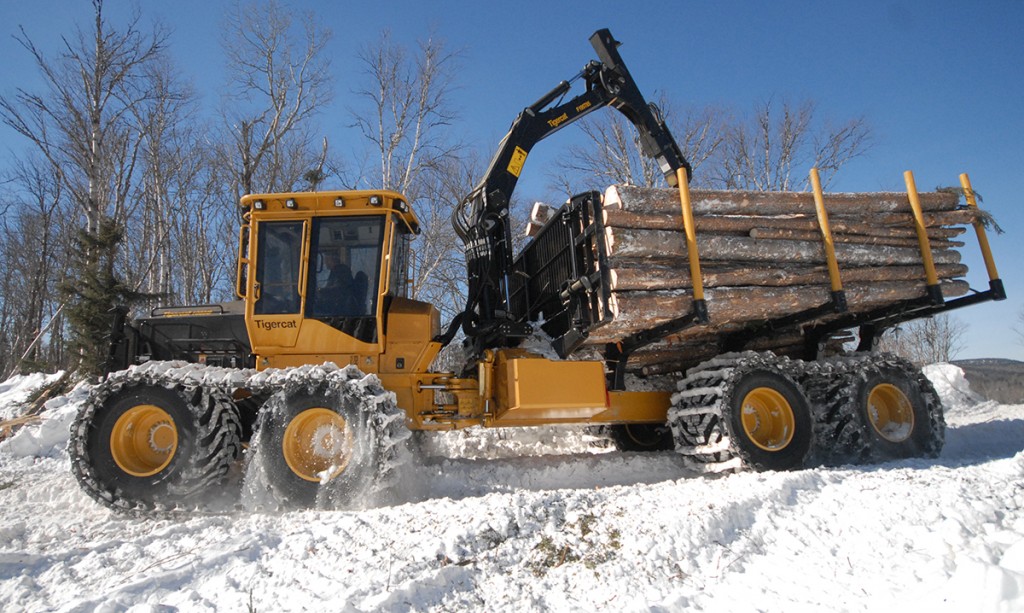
column 218, row 440
column 831, row 386
column 697, row 415
column 220, row 428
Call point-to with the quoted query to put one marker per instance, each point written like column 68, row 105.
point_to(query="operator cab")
column 322, row 263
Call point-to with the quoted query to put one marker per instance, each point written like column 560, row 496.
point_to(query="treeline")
column 125, row 190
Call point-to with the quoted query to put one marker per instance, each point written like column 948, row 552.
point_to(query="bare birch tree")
column 439, row 274
column 82, row 123
column 404, row 115
column 407, row 106
column 926, row 341
column 33, row 247
column 279, row 80
column 167, row 161
column 83, row 126
column 772, row 149
column 612, row 153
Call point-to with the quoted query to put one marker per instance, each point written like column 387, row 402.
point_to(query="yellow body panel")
column 636, row 407
column 532, row 388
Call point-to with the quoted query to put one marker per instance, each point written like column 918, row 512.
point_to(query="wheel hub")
column 767, row 419
column 890, row 412
column 143, row 440
column 162, row 437
column 317, row 444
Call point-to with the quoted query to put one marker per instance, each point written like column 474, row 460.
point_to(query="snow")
column 545, row 519
column 18, row 389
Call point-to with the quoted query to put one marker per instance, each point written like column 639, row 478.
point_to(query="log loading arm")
column 491, row 319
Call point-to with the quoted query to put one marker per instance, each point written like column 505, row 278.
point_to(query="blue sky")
column 940, row 83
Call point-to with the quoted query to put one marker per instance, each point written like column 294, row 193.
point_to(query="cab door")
column 278, row 286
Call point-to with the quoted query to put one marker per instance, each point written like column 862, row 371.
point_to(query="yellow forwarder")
column 323, row 280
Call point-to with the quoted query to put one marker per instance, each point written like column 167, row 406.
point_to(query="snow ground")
column 546, row 519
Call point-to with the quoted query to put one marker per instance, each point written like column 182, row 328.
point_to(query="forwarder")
column 323, row 366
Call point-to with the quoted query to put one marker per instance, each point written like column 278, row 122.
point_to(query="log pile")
column 762, row 256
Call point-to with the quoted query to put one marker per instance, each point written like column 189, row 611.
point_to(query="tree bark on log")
column 628, row 275
column 710, row 202
column 637, row 311
column 884, row 225
column 890, row 241
column 627, row 242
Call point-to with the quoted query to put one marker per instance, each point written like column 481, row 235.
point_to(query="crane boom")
column 482, row 219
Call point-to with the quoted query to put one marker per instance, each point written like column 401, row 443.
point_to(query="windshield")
column 344, row 274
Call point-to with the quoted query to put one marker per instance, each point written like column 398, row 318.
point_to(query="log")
column 637, row 311
column 540, row 214
column 627, row 242
column 627, row 275
column 710, row 202
column 892, row 225
column 892, row 241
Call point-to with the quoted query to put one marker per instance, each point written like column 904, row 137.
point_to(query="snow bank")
column 952, row 386
column 18, row 389
column 49, row 437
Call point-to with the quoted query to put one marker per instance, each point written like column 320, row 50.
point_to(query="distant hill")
column 997, row 379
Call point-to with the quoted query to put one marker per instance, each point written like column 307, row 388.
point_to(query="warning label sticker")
column 515, row 165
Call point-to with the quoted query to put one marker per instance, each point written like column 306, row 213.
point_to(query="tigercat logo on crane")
column 557, row 121
column 275, row 325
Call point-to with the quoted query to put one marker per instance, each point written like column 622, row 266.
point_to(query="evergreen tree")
column 93, row 295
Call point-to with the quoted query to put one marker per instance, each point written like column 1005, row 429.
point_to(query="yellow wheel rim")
column 767, row 418
column 891, row 413
column 317, row 443
column 144, row 440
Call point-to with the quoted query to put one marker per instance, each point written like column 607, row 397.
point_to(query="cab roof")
column 373, row 201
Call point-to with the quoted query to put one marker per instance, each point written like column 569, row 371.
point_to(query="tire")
column 897, row 413
column 144, row 445
column 743, row 409
column 329, row 443
column 768, row 420
column 831, row 387
column 641, row 437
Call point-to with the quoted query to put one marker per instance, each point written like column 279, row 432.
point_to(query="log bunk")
column 789, row 272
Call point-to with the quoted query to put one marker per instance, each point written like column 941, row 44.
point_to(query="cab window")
column 399, row 274
column 277, row 267
column 344, row 277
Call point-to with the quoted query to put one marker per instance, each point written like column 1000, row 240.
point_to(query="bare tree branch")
column 279, row 73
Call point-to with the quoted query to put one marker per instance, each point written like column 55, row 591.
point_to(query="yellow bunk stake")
column 934, row 291
column 838, row 296
column 979, row 229
column 699, row 305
